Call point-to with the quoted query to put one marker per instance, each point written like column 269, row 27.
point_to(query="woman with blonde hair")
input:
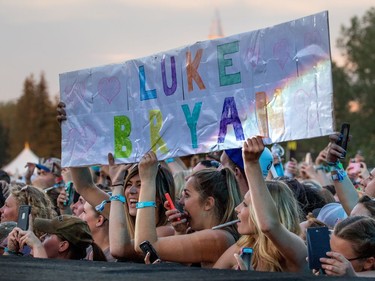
column 269, row 221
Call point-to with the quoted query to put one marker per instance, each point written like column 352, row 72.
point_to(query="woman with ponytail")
column 208, row 199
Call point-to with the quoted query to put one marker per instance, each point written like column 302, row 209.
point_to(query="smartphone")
column 23, row 217
column 246, row 254
column 69, row 190
column 173, row 206
column 317, row 245
column 343, row 141
column 147, row 247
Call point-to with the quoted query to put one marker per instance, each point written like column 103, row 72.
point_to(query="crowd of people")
column 224, row 203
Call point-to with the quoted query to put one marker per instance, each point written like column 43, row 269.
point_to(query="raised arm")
column 85, row 186
column 145, row 221
column 120, row 239
column 345, row 189
column 289, row 244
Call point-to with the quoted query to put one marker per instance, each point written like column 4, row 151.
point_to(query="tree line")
column 32, row 117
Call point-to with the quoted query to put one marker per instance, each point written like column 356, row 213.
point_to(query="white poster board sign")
column 211, row 95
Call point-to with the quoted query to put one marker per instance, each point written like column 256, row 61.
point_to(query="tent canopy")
column 17, row 166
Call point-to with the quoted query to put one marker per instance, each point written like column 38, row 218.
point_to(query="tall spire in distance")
column 216, row 30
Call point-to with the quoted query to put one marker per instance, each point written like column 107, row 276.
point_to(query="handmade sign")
column 211, row 95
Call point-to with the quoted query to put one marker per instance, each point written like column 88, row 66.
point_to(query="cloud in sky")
column 56, row 36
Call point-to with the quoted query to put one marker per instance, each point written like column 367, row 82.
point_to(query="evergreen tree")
column 4, row 145
column 358, row 45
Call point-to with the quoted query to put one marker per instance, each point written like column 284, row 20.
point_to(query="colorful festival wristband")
column 146, row 204
column 101, row 206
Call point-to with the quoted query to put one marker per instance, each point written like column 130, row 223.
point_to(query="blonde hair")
column 41, row 205
column 266, row 256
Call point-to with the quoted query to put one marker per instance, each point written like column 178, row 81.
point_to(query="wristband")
column 337, row 172
column 141, row 205
column 101, row 206
column 118, row 197
column 169, row 160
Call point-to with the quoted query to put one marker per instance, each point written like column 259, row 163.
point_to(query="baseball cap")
column 265, row 160
column 331, row 214
column 50, row 165
column 71, row 228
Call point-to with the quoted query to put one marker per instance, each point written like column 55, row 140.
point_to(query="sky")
column 57, row 36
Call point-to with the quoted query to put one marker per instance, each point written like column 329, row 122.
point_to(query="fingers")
column 147, row 258
column 111, row 159
column 31, row 223
column 61, row 112
column 240, row 262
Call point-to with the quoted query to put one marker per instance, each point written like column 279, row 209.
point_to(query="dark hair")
column 360, row 231
column 368, row 203
column 330, row 188
column 4, row 176
column 308, row 198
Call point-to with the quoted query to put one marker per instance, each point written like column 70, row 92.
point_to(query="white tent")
column 17, row 168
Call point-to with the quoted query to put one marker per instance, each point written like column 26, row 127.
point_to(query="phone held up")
column 246, row 254
column 147, row 247
column 23, row 217
column 69, row 190
column 344, row 138
column 317, row 245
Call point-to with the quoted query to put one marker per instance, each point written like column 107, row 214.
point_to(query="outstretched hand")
column 334, row 151
column 252, row 149
column 148, row 167
column 117, row 173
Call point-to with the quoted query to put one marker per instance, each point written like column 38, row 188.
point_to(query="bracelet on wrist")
column 101, row 206
column 141, row 205
column 337, row 172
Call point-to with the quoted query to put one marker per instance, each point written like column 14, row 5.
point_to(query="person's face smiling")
column 132, row 189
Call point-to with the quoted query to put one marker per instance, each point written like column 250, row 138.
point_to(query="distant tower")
column 216, row 31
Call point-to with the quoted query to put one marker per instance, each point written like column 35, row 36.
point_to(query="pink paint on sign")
column 109, row 88
column 80, row 141
column 281, row 52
